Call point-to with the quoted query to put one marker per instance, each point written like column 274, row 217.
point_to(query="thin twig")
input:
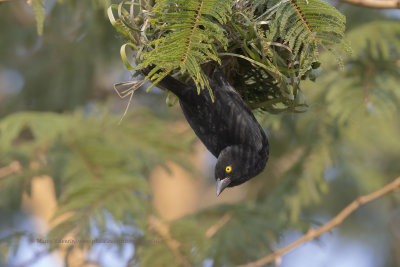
column 381, row 4
column 215, row 227
column 394, row 223
column 173, row 244
column 13, row 167
column 337, row 220
column 368, row 81
column 134, row 85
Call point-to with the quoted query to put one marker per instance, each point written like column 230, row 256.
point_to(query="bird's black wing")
column 206, row 119
column 256, row 138
column 228, row 121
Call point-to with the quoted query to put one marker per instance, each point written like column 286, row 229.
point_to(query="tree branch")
column 381, row 4
column 337, row 220
column 173, row 244
column 215, row 228
column 13, row 167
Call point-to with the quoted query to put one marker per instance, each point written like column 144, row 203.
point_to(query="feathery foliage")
column 98, row 168
column 268, row 46
column 189, row 36
column 350, row 102
column 282, row 40
column 73, row 29
column 368, row 85
column 305, row 25
column 274, row 43
column 40, row 14
column 174, row 35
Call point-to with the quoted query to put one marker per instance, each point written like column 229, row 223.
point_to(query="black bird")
column 227, row 128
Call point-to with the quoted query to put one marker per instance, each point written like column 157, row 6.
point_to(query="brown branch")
column 13, row 167
column 337, row 220
column 394, row 223
column 368, row 81
column 173, row 244
column 381, row 4
column 215, row 228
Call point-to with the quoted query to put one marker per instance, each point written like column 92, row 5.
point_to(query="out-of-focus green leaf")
column 38, row 7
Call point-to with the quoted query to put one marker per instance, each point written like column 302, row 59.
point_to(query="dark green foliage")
column 72, row 31
column 282, row 39
column 370, row 74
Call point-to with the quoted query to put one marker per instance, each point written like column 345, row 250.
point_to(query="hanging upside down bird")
column 227, row 127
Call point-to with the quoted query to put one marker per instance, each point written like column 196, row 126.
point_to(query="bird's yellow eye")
column 228, row 169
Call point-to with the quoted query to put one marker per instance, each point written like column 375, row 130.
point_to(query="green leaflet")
column 305, row 25
column 40, row 14
column 38, row 7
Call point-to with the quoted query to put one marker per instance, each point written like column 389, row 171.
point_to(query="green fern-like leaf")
column 369, row 85
column 305, row 25
column 190, row 33
column 281, row 40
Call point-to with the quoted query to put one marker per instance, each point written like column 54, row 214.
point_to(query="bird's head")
column 234, row 167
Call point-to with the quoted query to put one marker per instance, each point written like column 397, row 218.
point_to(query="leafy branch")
column 189, row 35
column 13, row 167
column 337, row 220
column 267, row 50
column 213, row 229
column 173, row 244
column 301, row 17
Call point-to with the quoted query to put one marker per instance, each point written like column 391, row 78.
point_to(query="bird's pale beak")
column 222, row 184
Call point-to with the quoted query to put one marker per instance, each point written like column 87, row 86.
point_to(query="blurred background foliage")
column 59, row 119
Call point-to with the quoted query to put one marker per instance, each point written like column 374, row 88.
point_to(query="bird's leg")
column 168, row 82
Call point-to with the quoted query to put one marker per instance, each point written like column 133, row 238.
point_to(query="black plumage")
column 227, row 127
